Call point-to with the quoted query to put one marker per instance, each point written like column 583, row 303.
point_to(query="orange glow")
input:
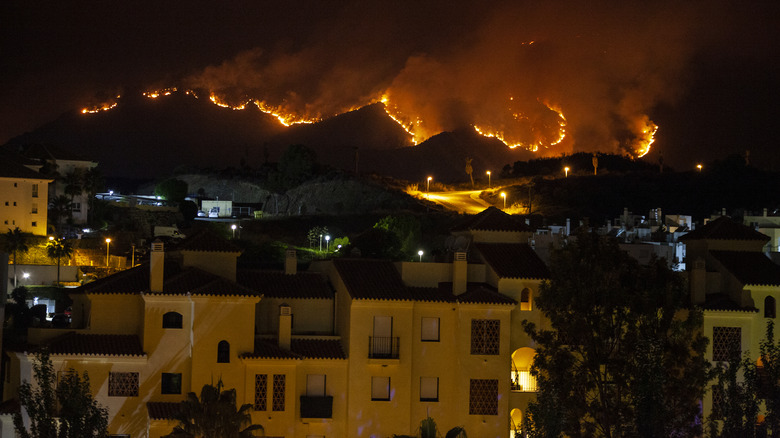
column 157, row 93
column 393, row 112
column 645, row 130
column 96, row 109
column 513, row 142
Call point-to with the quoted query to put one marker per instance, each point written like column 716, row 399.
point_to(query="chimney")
column 156, row 266
column 723, row 212
column 459, row 273
column 765, row 212
column 290, row 262
column 568, row 226
column 698, row 281
column 285, row 326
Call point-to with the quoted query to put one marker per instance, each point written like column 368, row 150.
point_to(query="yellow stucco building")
column 23, row 197
column 349, row 348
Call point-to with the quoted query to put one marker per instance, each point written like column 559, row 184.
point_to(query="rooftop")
column 724, row 228
column 493, row 219
column 513, row 260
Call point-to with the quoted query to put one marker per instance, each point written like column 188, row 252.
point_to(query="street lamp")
column 503, row 195
column 698, row 166
column 428, row 186
column 327, row 243
column 420, row 253
column 566, row 171
column 488, row 174
column 108, row 245
column 233, row 227
column 25, row 276
column 320, row 242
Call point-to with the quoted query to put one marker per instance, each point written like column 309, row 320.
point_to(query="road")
column 466, row 201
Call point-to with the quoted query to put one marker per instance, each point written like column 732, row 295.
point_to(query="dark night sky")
column 706, row 72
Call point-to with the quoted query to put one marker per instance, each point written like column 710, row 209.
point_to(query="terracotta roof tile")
column 750, row 268
column 96, row 345
column 177, row 281
column 493, row 219
column 11, row 167
column 269, row 349
column 318, row 348
column 372, row 279
column 162, row 410
column 207, row 240
column 723, row 302
column 513, row 260
column 723, row 228
column 476, row 293
column 277, row 284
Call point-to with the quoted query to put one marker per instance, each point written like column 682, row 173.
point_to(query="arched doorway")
column 516, row 423
column 522, row 380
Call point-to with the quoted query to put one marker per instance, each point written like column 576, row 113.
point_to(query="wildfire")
column 645, row 136
column 538, row 130
column 99, row 108
column 385, row 99
column 284, row 119
column 163, row 92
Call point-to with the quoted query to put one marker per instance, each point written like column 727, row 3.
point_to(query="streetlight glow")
column 327, row 243
column 428, row 186
column 108, row 245
column 503, row 195
column 566, row 170
column 699, row 166
column 233, row 227
column 420, row 253
column 488, row 174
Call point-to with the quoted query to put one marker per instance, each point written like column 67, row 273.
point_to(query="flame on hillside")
column 645, row 136
column 101, row 107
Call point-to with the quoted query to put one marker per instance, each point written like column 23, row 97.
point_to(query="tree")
column 297, row 164
column 15, row 241
column 58, row 248
column 214, row 415
column 74, row 183
column 408, row 230
column 79, row 416
column 740, row 400
column 93, row 183
column 171, row 189
column 624, row 357
column 60, row 208
column 428, row 429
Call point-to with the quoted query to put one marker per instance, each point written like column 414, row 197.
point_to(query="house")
column 23, row 197
column 737, row 287
column 62, row 165
column 349, row 348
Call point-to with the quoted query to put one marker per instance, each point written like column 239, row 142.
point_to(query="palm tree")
column 214, row 415
column 428, row 429
column 93, row 183
column 15, row 241
column 59, row 208
column 58, row 248
column 74, row 183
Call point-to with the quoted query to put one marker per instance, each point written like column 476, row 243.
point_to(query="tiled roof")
column 162, row 410
column 723, row 302
column 277, row 284
column 372, row 279
column 207, row 240
column 177, row 281
column 47, row 152
column 513, row 260
column 269, row 349
column 318, row 348
column 753, row 268
column 493, row 219
column 723, row 228
column 96, row 345
column 476, row 293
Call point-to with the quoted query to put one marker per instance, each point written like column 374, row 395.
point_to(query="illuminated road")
column 466, row 201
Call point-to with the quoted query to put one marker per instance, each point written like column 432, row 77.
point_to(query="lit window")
column 380, row 388
column 485, row 336
column 430, row 330
column 429, row 389
column 726, row 342
column 261, row 391
column 223, row 352
column 172, row 320
column 279, row 387
column 122, row 384
column 171, row 383
column 525, row 300
column 483, row 397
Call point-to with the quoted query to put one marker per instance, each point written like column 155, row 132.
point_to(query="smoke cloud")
column 526, row 71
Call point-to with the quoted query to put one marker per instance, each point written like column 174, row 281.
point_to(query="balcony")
column 523, row 381
column 382, row 347
column 316, row 407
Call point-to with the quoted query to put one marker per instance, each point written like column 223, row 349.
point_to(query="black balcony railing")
column 316, row 407
column 382, row 347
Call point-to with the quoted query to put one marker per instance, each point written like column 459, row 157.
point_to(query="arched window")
column 526, row 300
column 770, row 310
column 223, row 352
column 172, row 320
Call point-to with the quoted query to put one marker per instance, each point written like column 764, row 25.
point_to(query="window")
column 769, row 307
column 172, row 320
column 485, row 336
column 223, row 352
column 75, row 207
column 34, row 208
column 171, row 383
column 315, row 385
column 525, row 300
column 726, row 341
column 380, row 388
column 34, row 224
column 429, row 389
column 483, row 397
column 278, row 401
column 430, row 330
column 34, row 191
column 14, row 203
column 122, row 384
column 261, row 391
column 717, row 402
